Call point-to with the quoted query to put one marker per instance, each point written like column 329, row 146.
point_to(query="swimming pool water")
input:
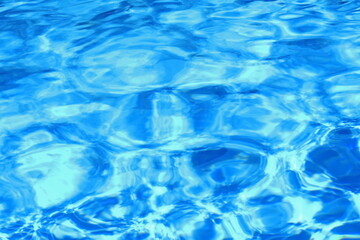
column 180, row 119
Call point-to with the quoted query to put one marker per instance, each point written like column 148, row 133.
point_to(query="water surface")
column 180, row 119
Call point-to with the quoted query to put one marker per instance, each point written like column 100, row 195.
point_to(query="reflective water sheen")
column 180, row 119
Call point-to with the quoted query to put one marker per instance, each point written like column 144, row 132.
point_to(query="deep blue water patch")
column 180, row 119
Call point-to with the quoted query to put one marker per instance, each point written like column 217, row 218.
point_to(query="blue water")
column 180, row 119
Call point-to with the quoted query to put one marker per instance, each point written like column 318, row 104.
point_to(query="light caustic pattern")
column 180, row 119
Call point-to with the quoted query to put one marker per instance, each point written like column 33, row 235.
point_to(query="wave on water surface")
column 180, row 119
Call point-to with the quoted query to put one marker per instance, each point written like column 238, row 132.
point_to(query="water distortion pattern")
column 180, row 119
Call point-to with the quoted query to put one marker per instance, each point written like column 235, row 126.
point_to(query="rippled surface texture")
column 180, row 119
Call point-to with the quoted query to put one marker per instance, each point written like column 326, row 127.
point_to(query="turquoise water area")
column 180, row 119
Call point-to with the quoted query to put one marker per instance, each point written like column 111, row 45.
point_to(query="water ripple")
column 179, row 119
